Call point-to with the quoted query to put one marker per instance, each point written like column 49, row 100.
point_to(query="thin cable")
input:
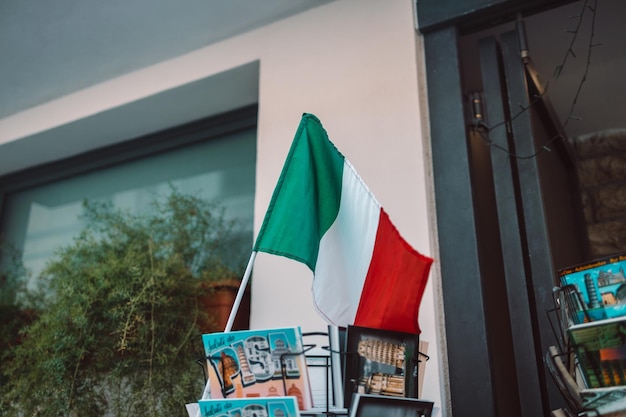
column 483, row 129
column 575, row 32
column 587, row 66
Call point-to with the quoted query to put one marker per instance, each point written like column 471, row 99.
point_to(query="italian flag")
column 323, row 215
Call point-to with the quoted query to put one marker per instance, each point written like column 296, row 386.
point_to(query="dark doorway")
column 509, row 205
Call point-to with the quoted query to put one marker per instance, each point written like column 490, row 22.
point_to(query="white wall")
column 352, row 63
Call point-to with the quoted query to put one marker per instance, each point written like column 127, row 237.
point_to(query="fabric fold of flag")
column 323, row 215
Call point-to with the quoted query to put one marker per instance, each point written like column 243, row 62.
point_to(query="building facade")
column 387, row 81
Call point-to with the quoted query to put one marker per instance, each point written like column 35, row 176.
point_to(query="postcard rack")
column 325, row 401
column 331, row 406
column 326, row 368
column 570, row 361
column 568, row 308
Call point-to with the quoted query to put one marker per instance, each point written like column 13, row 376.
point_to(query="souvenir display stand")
column 588, row 318
column 326, row 369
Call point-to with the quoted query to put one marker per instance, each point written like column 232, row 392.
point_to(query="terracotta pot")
column 217, row 300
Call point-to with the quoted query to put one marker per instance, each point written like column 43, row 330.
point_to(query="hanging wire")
column 590, row 46
column 589, row 6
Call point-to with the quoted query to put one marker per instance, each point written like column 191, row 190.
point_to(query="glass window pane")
column 40, row 220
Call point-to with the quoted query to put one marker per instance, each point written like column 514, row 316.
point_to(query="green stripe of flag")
column 307, row 196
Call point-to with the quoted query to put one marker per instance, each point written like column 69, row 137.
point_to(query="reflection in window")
column 42, row 219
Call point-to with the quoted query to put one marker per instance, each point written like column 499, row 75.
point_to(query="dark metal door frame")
column 473, row 388
column 468, row 356
column 528, row 374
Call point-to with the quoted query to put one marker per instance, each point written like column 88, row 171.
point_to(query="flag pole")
column 240, row 293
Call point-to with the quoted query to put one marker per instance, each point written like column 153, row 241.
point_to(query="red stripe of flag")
column 394, row 284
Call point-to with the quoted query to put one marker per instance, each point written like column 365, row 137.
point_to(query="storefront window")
column 39, row 220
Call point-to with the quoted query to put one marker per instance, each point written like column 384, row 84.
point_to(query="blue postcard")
column 595, row 290
column 258, row 363
column 243, row 407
